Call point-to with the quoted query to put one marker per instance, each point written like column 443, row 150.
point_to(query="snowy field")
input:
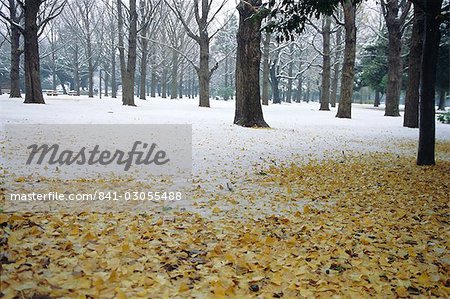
column 298, row 131
column 226, row 155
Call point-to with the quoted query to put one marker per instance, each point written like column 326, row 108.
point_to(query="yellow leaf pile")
column 372, row 226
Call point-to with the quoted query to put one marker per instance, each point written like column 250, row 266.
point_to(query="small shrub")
column 444, row 118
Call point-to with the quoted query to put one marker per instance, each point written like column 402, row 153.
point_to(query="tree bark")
column 15, row 52
column 248, row 60
column 326, row 66
column 128, row 69
column 337, row 66
column 394, row 24
column 441, row 105
column 266, row 67
column 411, row 117
column 348, row 69
column 276, row 99
column 174, row 75
column 33, row 89
column 203, row 71
column 376, row 103
column 427, row 121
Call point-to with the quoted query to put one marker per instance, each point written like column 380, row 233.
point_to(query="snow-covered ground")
column 228, row 157
column 297, row 130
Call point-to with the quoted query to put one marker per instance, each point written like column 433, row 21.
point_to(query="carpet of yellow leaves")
column 372, row 226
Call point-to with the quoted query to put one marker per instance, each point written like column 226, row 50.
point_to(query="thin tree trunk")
column 376, row 103
column 164, row 83
column 153, row 82
column 33, row 89
column 266, row 69
column 76, row 71
column 427, row 121
column 274, row 82
column 15, row 53
column 411, row 117
column 348, row 69
column 326, row 66
column 337, row 66
column 129, row 70
column 203, row 71
column 248, row 60
column 441, row 105
column 174, row 75
column 144, row 57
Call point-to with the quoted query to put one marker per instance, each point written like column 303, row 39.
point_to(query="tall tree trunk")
column 153, row 82
column 164, row 83
column 308, row 91
column 298, row 98
column 274, row 82
column 90, row 64
column 290, row 73
column 113, row 73
column 266, row 69
column 203, row 71
column 376, row 103
column 348, row 69
column 121, row 44
column 248, row 60
column 128, row 74
column 33, row 89
column 180, row 84
column 106, row 81
column 15, row 52
column 394, row 24
column 336, row 68
column 411, row 117
column 174, row 75
column 441, row 105
column 143, row 77
column 427, row 121
column 144, row 56
column 326, row 66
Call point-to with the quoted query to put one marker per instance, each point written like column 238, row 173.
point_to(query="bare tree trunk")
column 394, row 24
column 290, row 71
column 376, row 103
column 90, row 63
column 15, row 52
column 128, row 68
column 266, row 69
column 174, row 75
column 308, row 91
column 348, row 69
column 274, row 82
column 143, row 72
column 394, row 74
column 427, row 121
column 113, row 73
column 106, row 82
column 411, row 117
column 203, row 71
column 326, row 66
column 164, row 83
column 153, row 82
column 337, row 66
column 441, row 105
column 33, row 89
column 248, row 60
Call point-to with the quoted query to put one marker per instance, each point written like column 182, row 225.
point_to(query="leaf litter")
column 372, row 225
